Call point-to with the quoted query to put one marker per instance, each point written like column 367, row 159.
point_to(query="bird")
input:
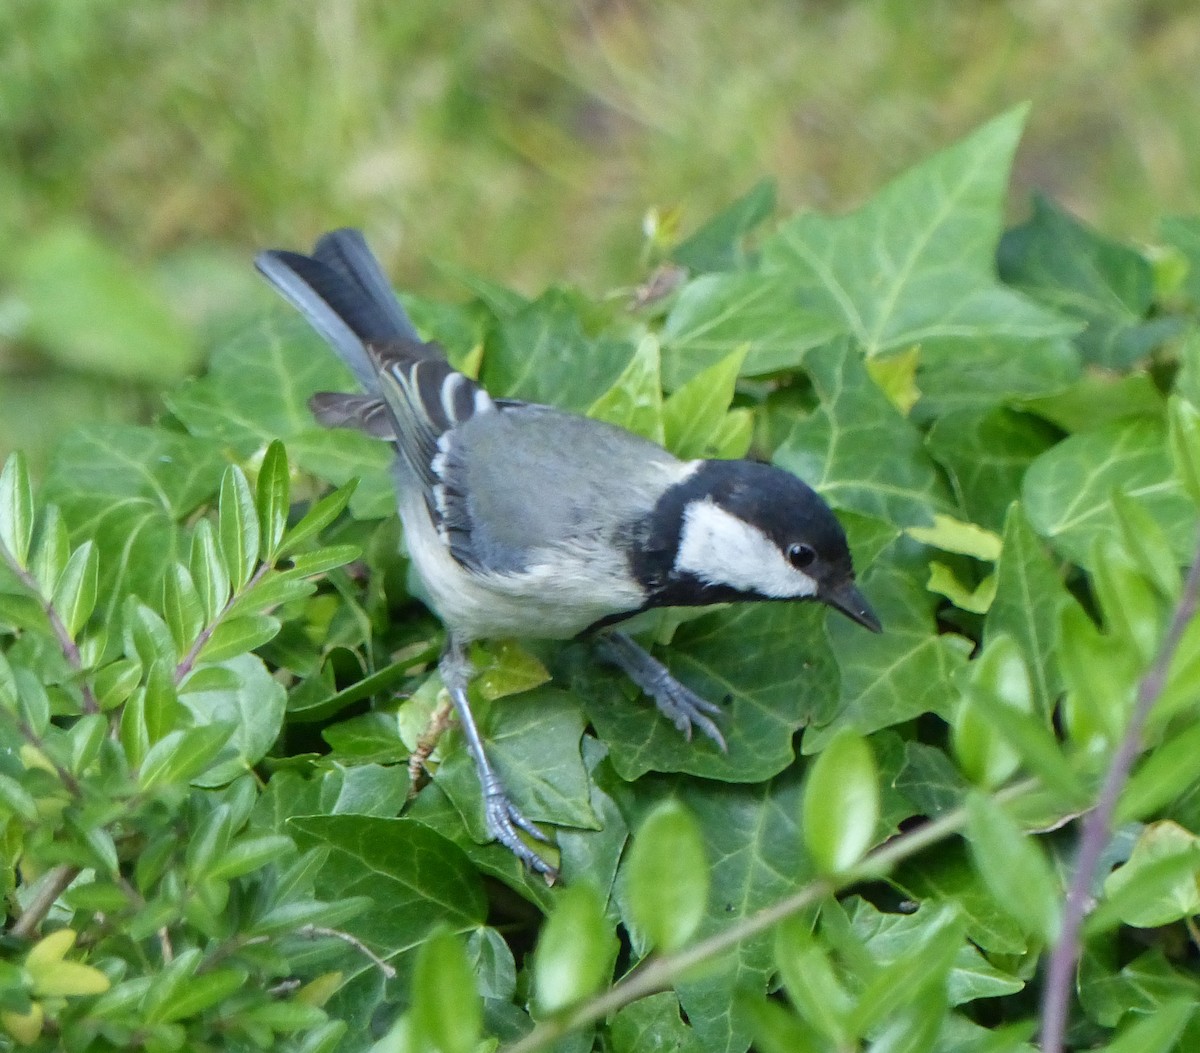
column 526, row 521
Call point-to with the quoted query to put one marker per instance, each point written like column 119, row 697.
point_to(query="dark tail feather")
column 344, row 294
column 346, row 251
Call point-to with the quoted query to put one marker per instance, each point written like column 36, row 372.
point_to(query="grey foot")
column 679, row 704
column 503, row 819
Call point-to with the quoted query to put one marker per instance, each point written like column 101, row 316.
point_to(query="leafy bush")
column 226, row 824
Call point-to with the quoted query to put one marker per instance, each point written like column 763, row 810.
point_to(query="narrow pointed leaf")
column 238, row 525
column 16, row 508
column 271, row 498
column 75, row 593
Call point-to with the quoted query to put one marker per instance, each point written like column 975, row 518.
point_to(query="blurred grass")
column 523, row 140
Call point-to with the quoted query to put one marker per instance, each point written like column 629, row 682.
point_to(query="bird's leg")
column 502, row 816
column 679, row 704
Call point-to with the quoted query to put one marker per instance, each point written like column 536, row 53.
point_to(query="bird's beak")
column 847, row 599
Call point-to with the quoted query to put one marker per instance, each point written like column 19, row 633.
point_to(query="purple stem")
column 1097, row 825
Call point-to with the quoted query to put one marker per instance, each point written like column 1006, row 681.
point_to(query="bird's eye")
column 801, row 555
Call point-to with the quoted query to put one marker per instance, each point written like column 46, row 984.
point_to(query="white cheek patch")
column 718, row 547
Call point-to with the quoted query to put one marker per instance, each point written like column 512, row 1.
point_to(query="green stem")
column 660, row 974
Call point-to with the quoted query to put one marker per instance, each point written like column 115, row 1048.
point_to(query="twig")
column 661, row 973
column 66, row 644
column 320, row 930
column 54, row 885
column 189, row 659
column 1097, row 825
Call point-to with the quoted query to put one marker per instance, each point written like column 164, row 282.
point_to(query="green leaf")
column 238, row 635
column 75, row 594
column 836, row 449
column 634, row 402
column 239, row 531
column 1164, row 773
column 1134, row 612
column 447, row 1012
column 1147, row 543
column 987, row 453
column 1063, row 264
column 1100, row 675
column 948, row 877
column 693, row 415
column 255, row 391
column 654, row 1023
column 320, row 560
column 771, row 661
column 953, row 535
column 1067, row 491
column 759, row 315
column 716, row 245
column 1157, row 1033
column 841, row 803
column 752, row 840
column 209, row 572
column 1157, row 885
column 667, row 878
column 1028, row 606
column 575, row 952
column 542, row 354
column 180, row 756
column 200, row 992
column 271, row 498
column 253, row 703
column 128, row 489
column 417, row 879
column 160, row 709
column 91, row 309
column 51, row 548
column 810, row 981
column 249, row 855
column 16, row 508
column 324, row 512
column 1013, row 867
column 916, row 264
column 147, row 635
column 182, row 607
column 905, row 671
column 17, row 800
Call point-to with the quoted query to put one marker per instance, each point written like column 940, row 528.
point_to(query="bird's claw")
column 503, row 819
column 686, row 709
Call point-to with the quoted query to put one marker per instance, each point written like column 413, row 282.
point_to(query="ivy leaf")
column 753, row 841
column 715, row 315
column 128, row 489
column 417, row 879
column 1067, row 490
column 256, row 391
column 542, row 354
column 770, row 661
column 1060, row 262
column 987, row 454
column 717, row 245
column 634, row 401
column 915, row 265
column 899, row 674
column 839, row 449
column 533, row 742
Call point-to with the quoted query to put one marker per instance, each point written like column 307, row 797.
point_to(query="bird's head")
column 740, row 530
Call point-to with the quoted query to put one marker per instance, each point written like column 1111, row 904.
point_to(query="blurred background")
column 150, row 147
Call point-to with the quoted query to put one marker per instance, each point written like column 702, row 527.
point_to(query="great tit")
column 526, row 521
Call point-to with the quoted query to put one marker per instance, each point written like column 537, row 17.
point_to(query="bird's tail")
column 342, row 291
